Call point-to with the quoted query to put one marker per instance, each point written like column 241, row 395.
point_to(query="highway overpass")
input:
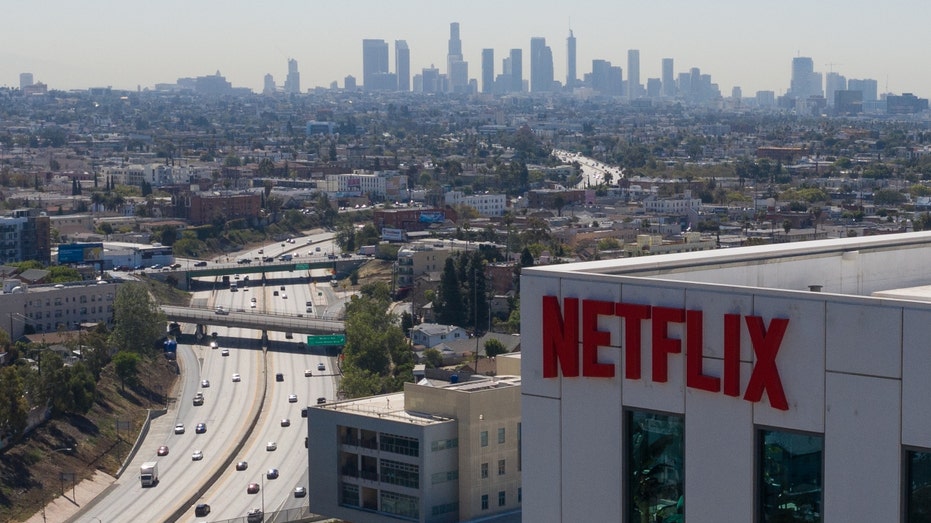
column 253, row 320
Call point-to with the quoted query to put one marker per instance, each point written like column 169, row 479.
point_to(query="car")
column 309, row 310
column 275, row 293
column 225, row 352
column 304, row 412
column 282, row 287
column 242, row 465
column 252, row 305
column 255, row 515
column 307, row 373
column 179, row 428
column 321, row 366
column 236, row 378
column 253, row 300
column 292, row 398
column 202, row 509
column 284, row 296
column 220, row 310
column 271, row 446
column 205, row 383
column 197, row 455
column 279, row 377
column 253, row 488
column 317, row 249
column 156, row 267
column 163, row 450
column 200, row 428
column 300, row 492
column 285, row 422
column 175, row 265
column 272, row 474
column 214, row 345
column 198, row 399
column 200, row 264
column 321, row 400
column 268, row 259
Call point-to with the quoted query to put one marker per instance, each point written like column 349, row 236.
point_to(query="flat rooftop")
column 891, row 266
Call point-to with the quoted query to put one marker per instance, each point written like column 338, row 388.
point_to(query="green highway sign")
column 326, row 339
column 302, row 266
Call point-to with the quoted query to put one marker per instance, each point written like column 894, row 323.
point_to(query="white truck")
column 148, row 473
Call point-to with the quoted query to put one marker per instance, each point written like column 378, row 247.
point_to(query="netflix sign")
column 562, row 335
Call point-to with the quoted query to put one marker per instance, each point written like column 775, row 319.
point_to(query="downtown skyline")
column 104, row 43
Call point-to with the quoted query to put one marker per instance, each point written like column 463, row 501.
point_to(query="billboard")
column 80, row 252
column 432, row 217
column 392, row 235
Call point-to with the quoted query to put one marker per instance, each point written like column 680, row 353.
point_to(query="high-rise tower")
column 571, row 75
column 402, row 64
column 488, row 70
column 374, row 64
column 457, row 70
column 805, row 81
column 517, row 70
column 292, row 83
column 541, row 65
column 633, row 74
column 669, row 80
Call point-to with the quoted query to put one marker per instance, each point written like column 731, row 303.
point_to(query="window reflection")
column 791, row 483
column 655, row 468
column 918, row 495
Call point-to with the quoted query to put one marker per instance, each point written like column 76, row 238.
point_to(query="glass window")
column 484, row 438
column 918, row 493
column 501, row 435
column 790, row 476
column 484, row 470
column 500, row 467
column 655, row 467
column 484, row 501
column 399, row 504
column 399, row 444
column 397, row 473
column 502, row 498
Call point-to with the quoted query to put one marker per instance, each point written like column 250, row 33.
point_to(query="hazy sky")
column 72, row 44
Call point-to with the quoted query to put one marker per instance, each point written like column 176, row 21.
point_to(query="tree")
column 14, row 410
column 493, row 347
column 449, row 305
column 377, row 358
column 138, row 322
column 433, row 359
column 126, row 365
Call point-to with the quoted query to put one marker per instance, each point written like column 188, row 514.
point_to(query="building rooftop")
column 887, row 266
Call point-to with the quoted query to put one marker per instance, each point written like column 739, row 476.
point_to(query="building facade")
column 429, row 454
column 775, row 383
column 25, row 235
column 49, row 308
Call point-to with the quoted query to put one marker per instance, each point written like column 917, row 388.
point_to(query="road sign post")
column 324, row 340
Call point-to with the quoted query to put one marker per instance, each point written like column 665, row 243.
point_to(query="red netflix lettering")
column 562, row 354
column 694, row 376
column 663, row 345
column 592, row 338
column 560, row 338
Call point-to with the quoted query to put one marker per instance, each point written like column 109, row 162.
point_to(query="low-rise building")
column 432, row 453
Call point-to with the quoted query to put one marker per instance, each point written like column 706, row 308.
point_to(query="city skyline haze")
column 100, row 43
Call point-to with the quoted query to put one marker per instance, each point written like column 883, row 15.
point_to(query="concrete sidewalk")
column 64, row 507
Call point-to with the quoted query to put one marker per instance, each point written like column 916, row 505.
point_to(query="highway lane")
column 228, row 495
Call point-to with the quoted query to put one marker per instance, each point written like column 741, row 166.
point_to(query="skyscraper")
column 571, row 74
column 269, row 87
column 25, row 80
column 488, row 70
column 402, row 64
column 457, row 70
column 669, row 81
column 868, row 87
column 292, row 83
column 834, row 82
column 541, row 65
column 374, row 64
column 633, row 74
column 805, row 81
column 517, row 70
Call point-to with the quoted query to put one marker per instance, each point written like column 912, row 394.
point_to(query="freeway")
column 282, row 321
column 229, row 411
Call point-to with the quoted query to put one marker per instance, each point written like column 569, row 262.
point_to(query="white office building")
column 778, row 383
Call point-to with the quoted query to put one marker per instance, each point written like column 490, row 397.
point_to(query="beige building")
column 49, row 308
column 430, row 454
